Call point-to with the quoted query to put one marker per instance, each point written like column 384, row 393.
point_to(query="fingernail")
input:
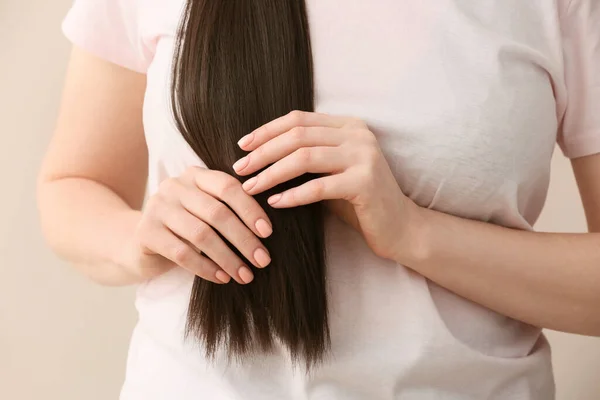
column 222, row 276
column 274, row 199
column 249, row 184
column 263, row 228
column 245, row 275
column 262, row 257
column 246, row 140
column 240, row 164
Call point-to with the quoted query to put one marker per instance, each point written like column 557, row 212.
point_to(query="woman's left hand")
column 355, row 175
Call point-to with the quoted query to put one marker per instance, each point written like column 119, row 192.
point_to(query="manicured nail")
column 249, row 184
column 263, row 228
column 274, row 199
column 222, row 276
column 246, row 140
column 262, row 257
column 240, row 164
column 245, row 275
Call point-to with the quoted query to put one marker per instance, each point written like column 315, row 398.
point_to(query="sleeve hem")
column 581, row 145
column 100, row 50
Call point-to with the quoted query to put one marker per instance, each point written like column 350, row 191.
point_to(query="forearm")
column 88, row 225
column 545, row 279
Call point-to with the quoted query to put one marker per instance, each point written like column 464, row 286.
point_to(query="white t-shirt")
column 467, row 99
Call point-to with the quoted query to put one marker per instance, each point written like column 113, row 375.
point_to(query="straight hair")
column 237, row 65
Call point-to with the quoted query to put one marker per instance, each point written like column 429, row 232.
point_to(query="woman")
column 441, row 120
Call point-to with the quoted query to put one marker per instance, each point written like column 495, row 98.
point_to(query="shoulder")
column 121, row 31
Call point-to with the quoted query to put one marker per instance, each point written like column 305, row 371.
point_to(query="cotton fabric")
column 467, row 100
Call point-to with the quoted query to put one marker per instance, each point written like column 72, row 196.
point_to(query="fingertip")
column 246, row 140
column 249, row 184
column 222, row 276
column 274, row 199
column 246, row 275
column 264, row 228
column 240, row 164
column 262, row 257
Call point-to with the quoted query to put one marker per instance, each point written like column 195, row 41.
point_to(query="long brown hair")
column 237, row 65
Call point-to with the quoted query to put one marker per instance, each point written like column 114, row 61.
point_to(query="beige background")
column 63, row 338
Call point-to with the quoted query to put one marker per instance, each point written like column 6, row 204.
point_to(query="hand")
column 356, row 176
column 182, row 220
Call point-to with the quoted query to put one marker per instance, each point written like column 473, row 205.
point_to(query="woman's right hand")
column 181, row 221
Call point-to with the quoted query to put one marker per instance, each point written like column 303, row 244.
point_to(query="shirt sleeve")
column 580, row 131
column 109, row 29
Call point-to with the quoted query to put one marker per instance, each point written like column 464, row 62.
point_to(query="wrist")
column 125, row 254
column 413, row 246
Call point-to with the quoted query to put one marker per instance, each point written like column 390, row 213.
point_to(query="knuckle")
column 304, row 155
column 181, row 254
column 370, row 138
column 200, row 234
column 219, row 177
column 249, row 212
column 258, row 153
column 262, row 131
column 360, row 123
column 229, row 187
column 191, row 171
column 218, row 212
column 155, row 211
column 297, row 133
column 227, row 259
column 296, row 116
column 249, row 242
column 356, row 122
column 168, row 186
column 371, row 155
column 204, row 271
column 153, row 205
column 264, row 178
column 364, row 177
column 365, row 134
column 318, row 187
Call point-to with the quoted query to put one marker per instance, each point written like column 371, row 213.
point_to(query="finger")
column 286, row 143
column 325, row 188
column 229, row 190
column 221, row 218
column 168, row 245
column 301, row 161
column 283, row 124
column 205, row 239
